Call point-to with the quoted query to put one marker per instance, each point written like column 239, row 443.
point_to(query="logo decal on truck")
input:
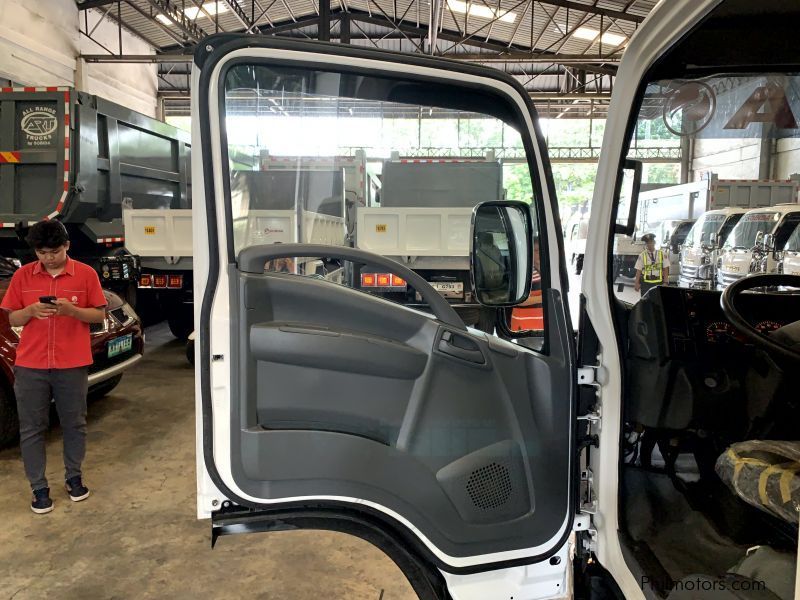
column 690, row 108
column 380, row 228
column 149, row 229
column 39, row 124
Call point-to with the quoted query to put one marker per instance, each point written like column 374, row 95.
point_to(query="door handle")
column 461, row 347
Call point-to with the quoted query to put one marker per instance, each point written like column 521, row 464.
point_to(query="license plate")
column 449, row 289
column 120, row 345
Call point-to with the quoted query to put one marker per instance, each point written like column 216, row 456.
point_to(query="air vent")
column 490, row 486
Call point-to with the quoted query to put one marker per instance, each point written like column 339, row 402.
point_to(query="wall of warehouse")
column 741, row 158
column 40, row 44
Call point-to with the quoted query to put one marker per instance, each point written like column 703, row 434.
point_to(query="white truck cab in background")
column 754, row 243
column 698, row 257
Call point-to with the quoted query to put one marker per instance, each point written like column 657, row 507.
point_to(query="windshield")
column 793, row 243
column 703, row 228
column 680, row 233
column 706, row 143
column 745, row 233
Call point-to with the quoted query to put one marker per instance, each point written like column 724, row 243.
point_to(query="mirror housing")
column 712, row 239
column 768, row 242
column 501, row 253
column 759, row 242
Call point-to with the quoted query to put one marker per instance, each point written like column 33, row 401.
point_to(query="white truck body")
column 741, row 255
column 698, row 258
column 167, row 233
column 415, row 231
column 424, row 218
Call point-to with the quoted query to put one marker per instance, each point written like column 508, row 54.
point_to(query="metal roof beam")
column 87, row 4
column 152, row 19
column 594, row 10
column 239, row 13
column 193, row 31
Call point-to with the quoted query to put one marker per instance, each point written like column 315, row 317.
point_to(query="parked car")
column 117, row 345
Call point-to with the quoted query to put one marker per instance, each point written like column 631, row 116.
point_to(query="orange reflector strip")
column 384, row 280
column 367, row 280
column 145, row 281
column 159, row 281
column 398, row 281
column 9, row 157
column 175, row 281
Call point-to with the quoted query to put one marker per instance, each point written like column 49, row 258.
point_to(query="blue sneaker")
column 76, row 490
column 41, row 503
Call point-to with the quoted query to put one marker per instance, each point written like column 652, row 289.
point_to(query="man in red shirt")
column 53, row 299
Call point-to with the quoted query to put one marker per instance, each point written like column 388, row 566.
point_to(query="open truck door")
column 324, row 407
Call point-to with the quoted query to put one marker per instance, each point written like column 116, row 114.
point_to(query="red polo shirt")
column 56, row 342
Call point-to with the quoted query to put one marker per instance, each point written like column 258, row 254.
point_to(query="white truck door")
column 324, row 407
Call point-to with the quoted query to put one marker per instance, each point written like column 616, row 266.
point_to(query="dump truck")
column 270, row 206
column 423, row 221
column 79, row 158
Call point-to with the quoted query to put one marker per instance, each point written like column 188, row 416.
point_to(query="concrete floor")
column 137, row 535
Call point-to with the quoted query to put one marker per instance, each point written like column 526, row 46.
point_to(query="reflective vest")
column 652, row 272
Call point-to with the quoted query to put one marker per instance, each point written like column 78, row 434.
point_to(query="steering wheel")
column 768, row 343
column 252, row 259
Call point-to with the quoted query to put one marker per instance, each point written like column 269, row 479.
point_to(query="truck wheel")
column 180, row 324
column 9, row 424
column 486, row 320
column 104, row 388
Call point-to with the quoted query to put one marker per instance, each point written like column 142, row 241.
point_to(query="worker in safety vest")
column 652, row 266
column 529, row 316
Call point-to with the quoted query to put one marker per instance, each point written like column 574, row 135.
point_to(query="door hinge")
column 588, row 498
column 592, row 375
column 586, row 375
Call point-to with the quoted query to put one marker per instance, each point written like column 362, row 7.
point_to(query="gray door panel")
column 348, row 395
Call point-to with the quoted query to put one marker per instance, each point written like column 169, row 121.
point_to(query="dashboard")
column 687, row 324
column 686, row 363
column 695, row 321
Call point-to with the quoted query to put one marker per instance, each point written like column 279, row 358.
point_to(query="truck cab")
column 625, row 463
column 753, row 243
column 790, row 258
column 698, row 258
column 672, row 235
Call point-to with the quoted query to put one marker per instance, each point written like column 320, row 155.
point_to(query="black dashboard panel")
column 686, row 363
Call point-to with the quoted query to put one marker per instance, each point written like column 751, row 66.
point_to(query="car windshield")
column 703, row 228
column 745, row 233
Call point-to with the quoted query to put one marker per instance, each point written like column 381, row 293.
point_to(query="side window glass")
column 344, row 160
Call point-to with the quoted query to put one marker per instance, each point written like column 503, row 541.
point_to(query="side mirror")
column 712, row 240
column 501, row 253
column 629, row 184
column 768, row 241
column 759, row 243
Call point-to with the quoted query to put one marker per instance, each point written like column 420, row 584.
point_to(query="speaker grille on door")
column 490, row 486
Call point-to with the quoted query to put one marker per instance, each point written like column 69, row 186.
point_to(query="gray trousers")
column 34, row 389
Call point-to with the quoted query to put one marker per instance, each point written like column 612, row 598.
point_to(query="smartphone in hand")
column 47, row 300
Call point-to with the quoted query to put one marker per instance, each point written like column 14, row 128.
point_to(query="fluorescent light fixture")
column 481, row 10
column 590, row 35
column 192, row 11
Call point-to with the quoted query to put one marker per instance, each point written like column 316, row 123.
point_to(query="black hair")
column 47, row 234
